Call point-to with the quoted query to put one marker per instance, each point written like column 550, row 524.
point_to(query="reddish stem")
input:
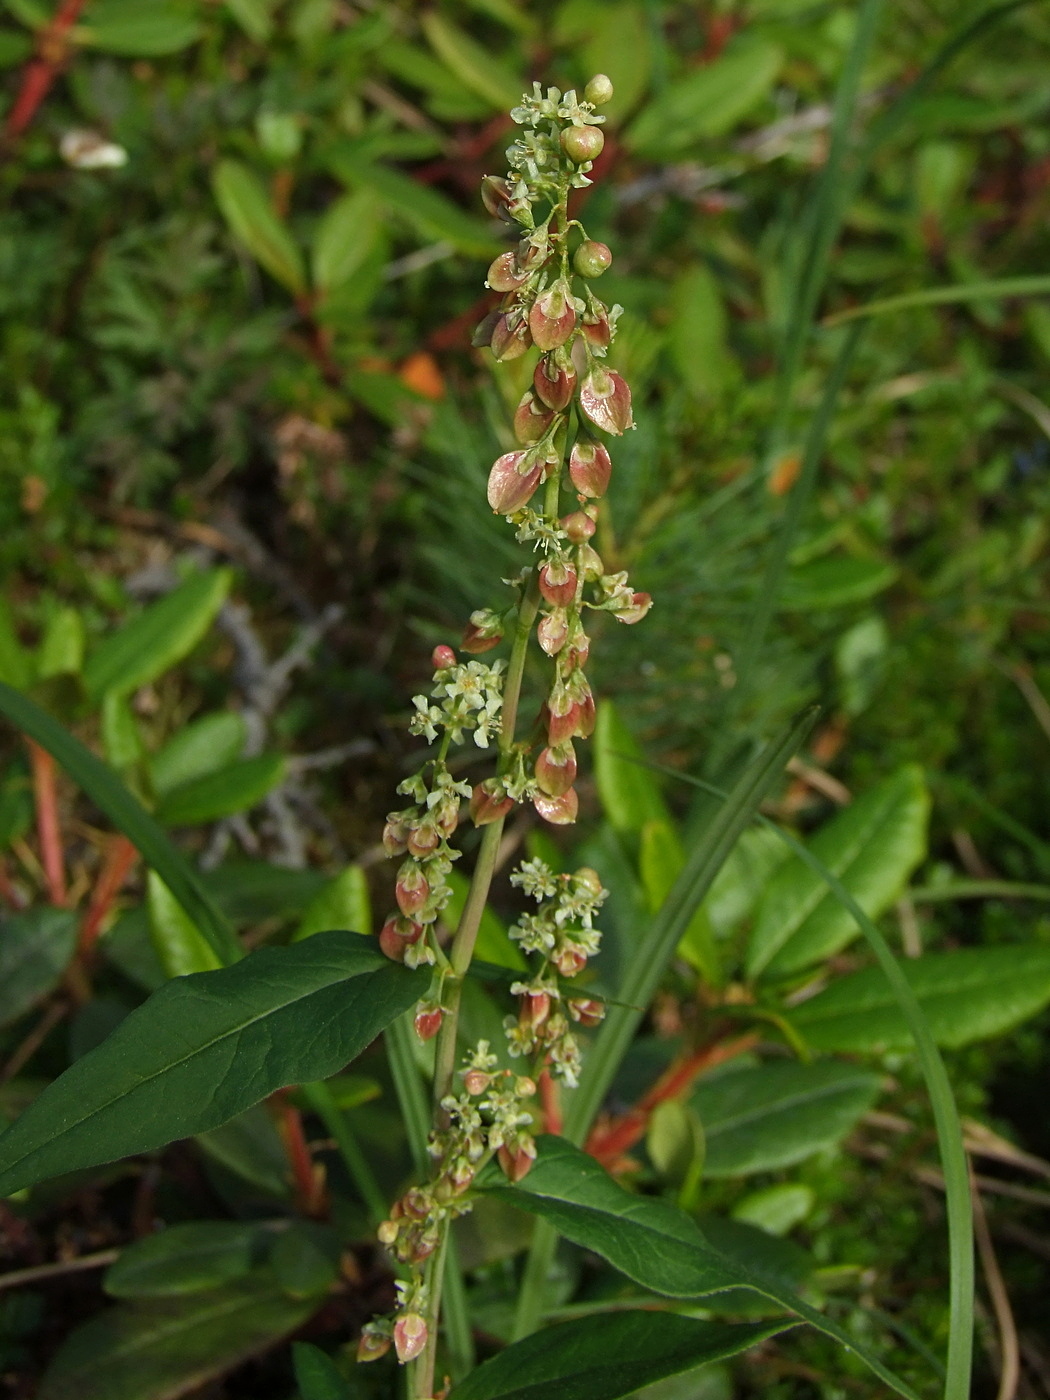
column 609, row 1140
column 42, row 70
column 47, row 823
column 119, row 859
column 309, row 1184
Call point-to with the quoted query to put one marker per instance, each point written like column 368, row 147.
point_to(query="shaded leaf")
column 61, row 650
column 180, row 946
column 201, row 747
column 426, row 209
column 629, row 792
column 236, row 788
column 35, row 949
column 250, row 1147
column 161, row 635
column 872, row 847
column 185, row 1259
column 493, row 943
column 343, row 903
column 602, row 1358
column 475, row 67
column 247, row 209
column 305, row 1259
column 696, row 335
column 345, row 237
column 834, row 582
column 966, row 996
column 776, row 1114
column 660, row 862
column 206, row 1047
column 317, row 1375
column 141, row 28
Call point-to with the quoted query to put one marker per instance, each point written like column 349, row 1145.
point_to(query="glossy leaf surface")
column 206, row 1047
column 605, row 1357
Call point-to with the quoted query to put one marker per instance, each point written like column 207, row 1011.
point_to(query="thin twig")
column 1010, row 1356
column 18, row 1277
column 33, row 1041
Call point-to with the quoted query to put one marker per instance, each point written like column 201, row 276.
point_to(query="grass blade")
column 945, row 296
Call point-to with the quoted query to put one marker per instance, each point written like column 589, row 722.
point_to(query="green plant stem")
column 320, row 1098
column 422, row 1381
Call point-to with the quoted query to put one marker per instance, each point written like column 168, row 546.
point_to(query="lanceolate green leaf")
column 109, row 794
column 165, row 1349
column 208, row 743
column 993, row 290
column 629, row 792
column 204, row 1048
column 429, row 211
column 160, row 636
column 650, row 1241
column 872, row 847
column 475, row 67
column 250, row 215
column 235, row 788
column 35, row 949
column 965, row 996
column 608, row 1356
column 189, row 1258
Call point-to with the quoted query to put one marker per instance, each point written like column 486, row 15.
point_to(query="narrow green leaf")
column 35, row 949
column 608, row 1356
column 253, row 221
column 991, row 290
column 161, row 635
column 317, row 1375
column 629, row 792
column 872, row 847
column 697, row 337
column 835, row 583
column 428, row 211
column 212, row 742
column 479, row 71
column 254, row 16
column 965, row 996
column 345, row 238
column 204, row 1048
column 651, row 1242
column 136, row 29
column 121, row 741
column 343, row 903
column 180, row 946
column 237, row 788
column 166, row 1349
column 707, row 102
column 185, row 1259
column 774, row 1115
column 109, row 794
column 660, row 862
column 62, row 647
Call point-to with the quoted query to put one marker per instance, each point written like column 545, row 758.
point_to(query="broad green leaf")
column 707, row 102
column 777, row 1114
column 676, row 1147
column 317, row 1375
column 35, row 949
column 697, row 334
column 660, row 862
column 185, row 1259
column 251, row 1147
column 247, row 209
column 872, row 847
column 16, row 664
column 206, row 1047
column 236, row 788
column 121, row 740
column 428, row 211
column 180, row 946
column 305, row 1259
column 651, row 1242
column 475, row 67
column 738, row 886
column 629, row 792
column 141, row 28
column 345, row 238
column 343, row 903
column 165, row 1349
column 776, row 1209
column 608, row 1356
column 966, row 996
column 62, row 647
column 211, row 742
column 493, row 942
column 835, row 582
column 161, row 635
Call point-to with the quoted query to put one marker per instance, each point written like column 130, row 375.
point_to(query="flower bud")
column 517, row 1161
column 555, row 384
column 442, row 657
column 524, row 1086
column 599, row 90
column 606, row 400
column 423, row 838
column 559, row 811
column 428, row 1020
column 590, row 468
column 640, row 605
column 476, row 1081
column 372, row 1344
column 489, row 802
column 552, row 318
column 557, row 581
column 586, row 1010
column 387, row 1232
column 510, row 336
column 578, row 527
column 556, row 769
column 569, row 959
column 591, row 259
column 410, row 1337
column 534, row 1009
column 460, row 1175
column 512, row 481
column 582, row 143
column 495, row 195
column 588, row 880
column 532, row 419
column 504, row 274
column 552, row 631
column 412, row 889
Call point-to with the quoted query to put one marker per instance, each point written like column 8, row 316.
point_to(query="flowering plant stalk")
column 549, row 489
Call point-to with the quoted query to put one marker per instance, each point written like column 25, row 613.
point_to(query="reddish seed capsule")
column 483, row 330
column 554, row 384
column 412, row 889
column 516, row 1161
column 640, row 605
column 562, row 717
column 476, row 1081
column 424, row 838
column 395, row 835
column 569, row 960
column 606, row 400
column 504, row 274
column 495, row 195
column 489, row 802
column 428, row 1021
column 513, row 480
column 510, row 337
column 597, row 330
column 534, row 1009
column 531, row 419
column 410, row 1337
column 586, row 1010
column 591, row 259
column 578, row 527
column 553, row 631
column 556, row 770
column 552, row 318
column 396, row 935
column 590, row 468
column 372, row 1345
column 559, row 811
column 582, row 143
column 557, row 581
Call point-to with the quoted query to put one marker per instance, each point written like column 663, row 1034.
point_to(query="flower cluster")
column 562, row 936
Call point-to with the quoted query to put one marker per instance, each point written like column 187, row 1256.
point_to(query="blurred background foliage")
column 241, row 256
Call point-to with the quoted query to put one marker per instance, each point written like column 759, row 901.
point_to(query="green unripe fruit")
column 582, row 143
column 592, row 259
column 599, row 90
